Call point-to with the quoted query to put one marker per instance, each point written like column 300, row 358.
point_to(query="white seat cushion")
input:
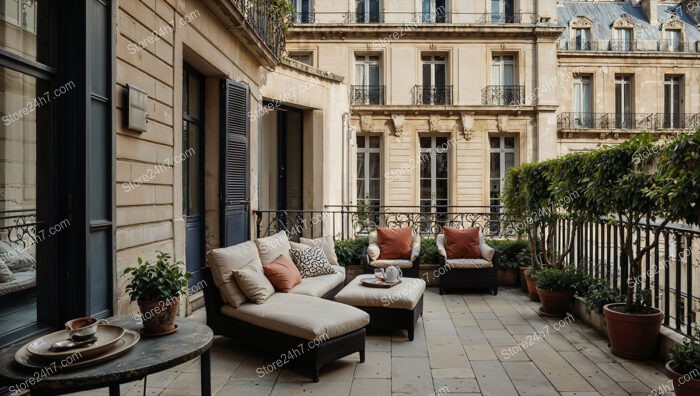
column 403, row 264
column 306, row 317
column 405, row 295
column 317, row 286
column 468, row 263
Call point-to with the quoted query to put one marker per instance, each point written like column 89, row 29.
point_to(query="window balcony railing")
column 574, row 45
column 439, row 16
column 632, row 121
column 433, row 95
column 268, row 27
column 504, row 95
column 623, row 45
column 490, row 17
column 305, row 17
column 367, row 94
column 363, row 17
column 675, row 46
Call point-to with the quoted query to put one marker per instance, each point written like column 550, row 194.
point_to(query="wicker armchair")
column 371, row 260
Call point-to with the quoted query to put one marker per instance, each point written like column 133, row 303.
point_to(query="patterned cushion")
column 468, row 263
column 327, row 244
column 311, row 262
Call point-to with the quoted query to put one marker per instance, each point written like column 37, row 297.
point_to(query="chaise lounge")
column 284, row 321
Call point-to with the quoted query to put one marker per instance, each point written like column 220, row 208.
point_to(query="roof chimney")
column 651, row 10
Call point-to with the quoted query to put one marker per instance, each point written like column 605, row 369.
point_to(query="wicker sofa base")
column 394, row 319
column 279, row 346
column 472, row 279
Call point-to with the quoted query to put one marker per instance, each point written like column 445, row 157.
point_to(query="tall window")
column 434, row 79
column 367, row 11
column 583, row 117
column 672, row 102
column 434, row 11
column 303, row 11
column 502, row 158
column 502, row 11
column 582, row 39
column 503, row 76
column 369, row 172
column 623, row 102
column 433, row 176
column 306, row 58
column 673, row 40
column 367, row 89
column 622, row 40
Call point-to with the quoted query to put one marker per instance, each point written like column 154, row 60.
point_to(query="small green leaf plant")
column 685, row 358
column 156, row 282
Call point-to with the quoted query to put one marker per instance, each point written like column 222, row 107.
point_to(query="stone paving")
column 464, row 345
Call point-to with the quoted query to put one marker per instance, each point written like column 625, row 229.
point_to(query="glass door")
column 672, row 102
column 503, row 77
column 623, row 102
column 367, row 11
column 583, row 117
column 434, row 79
column 367, row 79
column 433, row 181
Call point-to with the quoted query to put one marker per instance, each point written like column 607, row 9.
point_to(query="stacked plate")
column 112, row 341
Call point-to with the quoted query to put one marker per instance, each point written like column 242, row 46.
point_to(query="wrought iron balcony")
column 305, row 17
column 578, row 45
column 433, row 95
column 367, row 94
column 504, row 95
column 632, row 121
column 363, row 17
column 508, row 17
column 623, row 45
column 269, row 27
column 439, row 16
column 675, row 46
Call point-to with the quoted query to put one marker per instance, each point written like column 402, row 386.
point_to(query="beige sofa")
column 284, row 320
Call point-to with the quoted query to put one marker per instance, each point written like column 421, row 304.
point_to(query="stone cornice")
column 304, row 68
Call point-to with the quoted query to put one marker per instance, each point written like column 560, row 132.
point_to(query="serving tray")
column 126, row 342
column 107, row 336
column 374, row 282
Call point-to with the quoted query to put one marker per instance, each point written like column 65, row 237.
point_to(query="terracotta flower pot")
column 633, row 336
column 159, row 316
column 683, row 384
column 508, row 277
column 523, row 282
column 555, row 302
column 532, row 288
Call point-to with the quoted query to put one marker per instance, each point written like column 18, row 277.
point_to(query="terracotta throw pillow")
column 462, row 243
column 394, row 243
column 283, row 274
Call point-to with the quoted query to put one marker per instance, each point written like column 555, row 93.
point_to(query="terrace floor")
column 462, row 346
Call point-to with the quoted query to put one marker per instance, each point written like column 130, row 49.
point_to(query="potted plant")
column 514, row 253
column 556, row 288
column 157, row 288
column 684, row 367
column 621, row 185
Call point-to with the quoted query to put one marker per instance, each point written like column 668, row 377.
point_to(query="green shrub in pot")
column 428, row 251
column 599, row 294
column 684, row 366
column 556, row 288
column 513, row 254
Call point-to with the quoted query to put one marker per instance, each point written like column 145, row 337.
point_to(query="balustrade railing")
column 504, row 95
column 631, row 121
column 432, row 95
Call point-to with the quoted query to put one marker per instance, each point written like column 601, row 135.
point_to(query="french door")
column 434, row 79
column 503, row 76
column 434, row 11
column 582, row 100
column 623, row 102
column 672, row 102
column 502, row 11
column 193, row 170
column 434, row 176
column 367, row 11
column 368, row 70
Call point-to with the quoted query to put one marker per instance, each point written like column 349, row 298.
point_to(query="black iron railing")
column 675, row 46
column 305, row 17
column 623, row 45
column 345, row 222
column 432, row 95
column 634, row 121
column 439, row 16
column 19, row 226
column 505, row 95
column 363, row 17
column 667, row 270
column 268, row 27
column 367, row 94
column 490, row 17
column 581, row 45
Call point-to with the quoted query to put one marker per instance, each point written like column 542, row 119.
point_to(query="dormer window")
column 580, row 37
column 672, row 36
column 622, row 40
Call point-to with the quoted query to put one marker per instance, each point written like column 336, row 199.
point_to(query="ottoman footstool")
column 397, row 307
